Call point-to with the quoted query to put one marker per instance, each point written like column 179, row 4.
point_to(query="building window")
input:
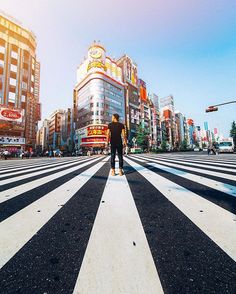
column 12, row 97
column 12, row 82
column 33, row 64
column 1, row 63
column 13, row 68
column 23, row 98
column 24, row 85
column 2, row 49
column 14, row 54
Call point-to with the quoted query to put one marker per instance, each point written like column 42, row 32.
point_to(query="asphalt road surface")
column 167, row 226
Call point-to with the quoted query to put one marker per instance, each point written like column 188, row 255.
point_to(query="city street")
column 167, row 226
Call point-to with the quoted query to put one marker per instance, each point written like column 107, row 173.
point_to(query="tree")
column 233, row 131
column 142, row 137
column 164, row 145
column 184, row 145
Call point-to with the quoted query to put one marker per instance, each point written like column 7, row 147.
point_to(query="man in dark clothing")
column 116, row 130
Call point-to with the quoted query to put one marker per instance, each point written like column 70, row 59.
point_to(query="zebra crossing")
column 167, row 226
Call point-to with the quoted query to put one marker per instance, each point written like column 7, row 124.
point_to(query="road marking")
column 41, row 172
column 23, row 164
column 18, row 229
column 37, row 167
column 16, row 191
column 189, row 168
column 222, row 187
column 211, row 163
column 216, row 222
column 118, row 258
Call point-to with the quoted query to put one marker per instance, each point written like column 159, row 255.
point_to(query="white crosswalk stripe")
column 215, row 222
column 113, row 243
column 16, row 191
column 36, row 173
column 15, row 171
column 206, row 169
column 111, row 253
column 225, row 188
column 17, row 229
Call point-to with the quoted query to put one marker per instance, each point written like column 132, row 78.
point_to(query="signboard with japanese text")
column 10, row 114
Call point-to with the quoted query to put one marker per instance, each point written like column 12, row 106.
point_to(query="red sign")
column 10, row 114
column 190, row 122
column 94, row 139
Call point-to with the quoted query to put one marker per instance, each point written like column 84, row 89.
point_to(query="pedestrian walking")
column 115, row 132
column 6, row 154
column 126, row 150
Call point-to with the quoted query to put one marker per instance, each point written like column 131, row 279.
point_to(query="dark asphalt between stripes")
column 51, row 260
column 13, row 205
column 186, row 259
column 183, row 160
column 205, row 167
column 215, row 178
column 224, row 200
column 26, row 171
column 33, row 178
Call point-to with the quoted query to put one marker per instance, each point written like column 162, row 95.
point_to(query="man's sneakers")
column 121, row 173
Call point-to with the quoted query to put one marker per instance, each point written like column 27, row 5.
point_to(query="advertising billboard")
column 167, row 114
column 143, row 90
column 92, row 135
column 190, row 122
column 206, row 128
column 97, row 130
column 12, row 140
column 96, row 140
column 10, row 114
column 9, row 125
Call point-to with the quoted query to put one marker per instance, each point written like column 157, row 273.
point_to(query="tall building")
column 168, row 120
column 99, row 92
column 42, row 141
column 19, row 85
column 67, row 130
column 155, row 119
column 55, row 129
column 192, row 132
column 132, row 95
column 180, row 127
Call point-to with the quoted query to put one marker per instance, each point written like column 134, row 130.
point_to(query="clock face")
column 96, row 53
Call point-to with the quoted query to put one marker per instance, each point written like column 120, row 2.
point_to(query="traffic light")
column 212, row 108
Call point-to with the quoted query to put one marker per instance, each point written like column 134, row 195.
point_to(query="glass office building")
column 98, row 94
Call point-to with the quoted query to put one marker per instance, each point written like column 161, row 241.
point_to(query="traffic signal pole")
column 215, row 107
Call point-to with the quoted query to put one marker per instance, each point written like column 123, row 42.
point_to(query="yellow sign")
column 96, row 64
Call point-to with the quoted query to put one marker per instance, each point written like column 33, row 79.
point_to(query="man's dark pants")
column 119, row 150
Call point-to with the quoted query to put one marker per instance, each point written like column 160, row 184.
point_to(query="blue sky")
column 186, row 48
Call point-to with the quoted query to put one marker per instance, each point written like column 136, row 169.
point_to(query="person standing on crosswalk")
column 115, row 132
